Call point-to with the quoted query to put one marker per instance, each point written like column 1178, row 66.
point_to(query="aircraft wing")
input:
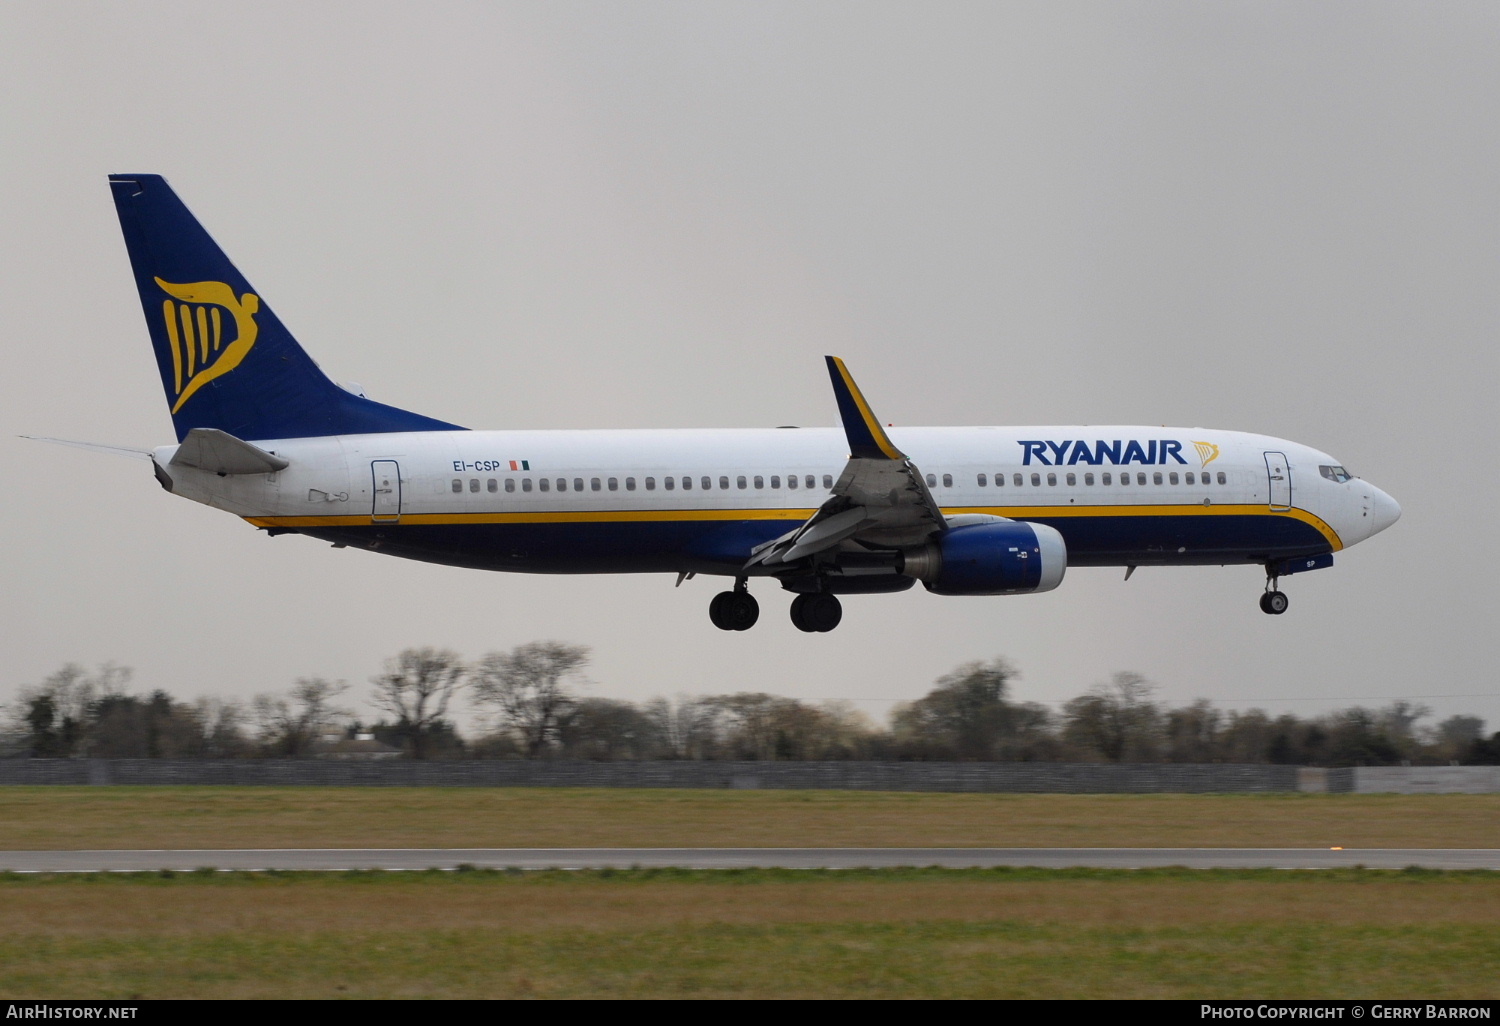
column 880, row 500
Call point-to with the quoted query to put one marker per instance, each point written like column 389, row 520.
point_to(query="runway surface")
column 737, row 858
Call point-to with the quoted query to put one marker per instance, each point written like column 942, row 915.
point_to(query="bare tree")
column 527, row 686
column 1116, row 720
column 57, row 714
column 965, row 715
column 688, row 728
column 415, row 688
column 289, row 726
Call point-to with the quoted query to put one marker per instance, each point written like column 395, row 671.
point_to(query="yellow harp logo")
column 195, row 332
column 1207, row 452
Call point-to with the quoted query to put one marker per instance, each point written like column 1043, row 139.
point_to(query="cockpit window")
column 1338, row 474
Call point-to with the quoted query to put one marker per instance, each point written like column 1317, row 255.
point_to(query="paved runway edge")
column 416, row 859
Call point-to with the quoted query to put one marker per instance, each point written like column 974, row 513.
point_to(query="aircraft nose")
column 1384, row 510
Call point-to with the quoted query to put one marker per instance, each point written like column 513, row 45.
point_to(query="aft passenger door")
column 1280, row 476
column 386, row 481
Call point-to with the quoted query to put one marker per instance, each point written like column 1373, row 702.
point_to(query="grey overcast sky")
column 1275, row 217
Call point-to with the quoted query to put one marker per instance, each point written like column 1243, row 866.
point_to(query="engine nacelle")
column 1004, row 558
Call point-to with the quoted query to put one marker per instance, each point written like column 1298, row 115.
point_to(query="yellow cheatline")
column 1183, row 510
column 680, row 515
column 551, row 517
column 871, row 423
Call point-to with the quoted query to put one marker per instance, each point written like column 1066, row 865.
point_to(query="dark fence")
column 1089, row 778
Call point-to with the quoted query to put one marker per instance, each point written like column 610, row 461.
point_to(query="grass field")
column 46, row 818
column 755, row 933
column 758, row 933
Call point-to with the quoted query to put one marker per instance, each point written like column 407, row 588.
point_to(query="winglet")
column 867, row 439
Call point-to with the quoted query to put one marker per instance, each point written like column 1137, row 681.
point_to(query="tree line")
column 531, row 706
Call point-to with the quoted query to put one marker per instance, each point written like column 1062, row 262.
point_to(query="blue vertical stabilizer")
column 226, row 362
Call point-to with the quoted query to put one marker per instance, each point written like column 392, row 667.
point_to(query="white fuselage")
column 688, row 500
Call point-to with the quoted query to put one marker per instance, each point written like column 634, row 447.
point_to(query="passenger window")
column 1072, row 480
column 1052, row 480
column 760, row 482
column 492, row 485
column 630, row 484
column 1106, row 478
column 708, row 483
column 810, row 481
column 458, row 486
column 1221, row 477
column 983, row 480
column 791, row 481
column 1017, row 480
column 947, row 480
column 543, row 483
column 669, row 482
column 613, row 484
column 775, row 480
column 562, row 484
column 999, row 480
column 510, row 484
column 740, row 482
column 1140, row 479
column 578, row 484
column 525, row 484
column 827, row 480
column 1036, row 480
column 473, row 484
column 1188, row 477
column 593, row 484
column 931, row 480
column 687, row 484
column 1172, row 477
column 1088, row 479
column 651, row 484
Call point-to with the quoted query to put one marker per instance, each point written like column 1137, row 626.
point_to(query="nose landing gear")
column 1274, row 601
column 734, row 610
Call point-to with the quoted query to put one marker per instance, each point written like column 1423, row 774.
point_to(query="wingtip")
column 867, row 439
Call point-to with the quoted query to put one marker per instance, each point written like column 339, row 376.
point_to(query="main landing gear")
column 734, row 610
column 737, row 610
column 1274, row 601
column 816, row 613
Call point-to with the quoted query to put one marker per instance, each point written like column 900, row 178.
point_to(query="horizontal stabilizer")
column 219, row 452
column 113, row 450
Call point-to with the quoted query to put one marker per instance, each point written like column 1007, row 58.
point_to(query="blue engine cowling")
column 1002, row 558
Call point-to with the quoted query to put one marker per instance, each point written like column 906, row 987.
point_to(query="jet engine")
column 1003, row 558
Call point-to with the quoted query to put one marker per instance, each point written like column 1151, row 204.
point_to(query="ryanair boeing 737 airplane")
column 824, row 512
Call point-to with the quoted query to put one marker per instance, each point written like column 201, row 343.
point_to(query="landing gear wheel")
column 1274, row 602
column 734, row 610
column 817, row 613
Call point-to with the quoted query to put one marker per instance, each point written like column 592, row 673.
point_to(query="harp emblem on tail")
column 203, row 346
column 1207, row 452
